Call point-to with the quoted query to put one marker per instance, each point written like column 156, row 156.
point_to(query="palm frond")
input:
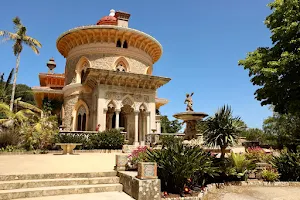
column 17, row 22
column 9, row 36
column 22, row 31
column 34, row 49
column 28, row 106
column 9, row 78
column 22, row 114
column 1, row 79
column 4, row 108
column 33, row 41
column 3, row 121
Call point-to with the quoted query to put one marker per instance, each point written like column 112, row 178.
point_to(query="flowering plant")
column 138, row 155
column 257, row 154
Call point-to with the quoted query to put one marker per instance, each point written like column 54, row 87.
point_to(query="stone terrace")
column 51, row 163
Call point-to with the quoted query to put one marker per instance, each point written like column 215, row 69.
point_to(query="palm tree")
column 222, row 129
column 19, row 38
column 4, row 86
column 13, row 119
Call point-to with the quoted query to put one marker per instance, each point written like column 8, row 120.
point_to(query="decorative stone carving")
column 121, row 67
column 127, row 101
column 121, row 161
column 138, row 97
column 105, row 49
column 146, row 99
column 69, row 103
column 147, row 170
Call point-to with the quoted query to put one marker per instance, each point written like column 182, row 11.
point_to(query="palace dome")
column 108, row 20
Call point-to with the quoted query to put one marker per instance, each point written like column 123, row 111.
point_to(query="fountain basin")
column 190, row 115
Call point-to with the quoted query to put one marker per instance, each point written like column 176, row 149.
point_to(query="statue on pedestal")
column 189, row 102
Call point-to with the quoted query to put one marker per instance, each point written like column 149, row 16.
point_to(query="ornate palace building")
column 108, row 78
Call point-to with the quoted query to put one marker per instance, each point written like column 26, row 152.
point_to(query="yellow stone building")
column 108, row 78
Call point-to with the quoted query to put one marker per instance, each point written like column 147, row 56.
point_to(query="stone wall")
column 140, row 189
column 69, row 103
column 102, row 61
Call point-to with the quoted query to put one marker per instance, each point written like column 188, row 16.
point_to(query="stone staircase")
column 38, row 185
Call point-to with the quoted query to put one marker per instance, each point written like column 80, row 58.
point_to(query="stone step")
column 58, row 190
column 17, row 184
column 89, row 196
column 56, row 175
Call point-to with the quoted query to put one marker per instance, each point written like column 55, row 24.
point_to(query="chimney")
column 123, row 18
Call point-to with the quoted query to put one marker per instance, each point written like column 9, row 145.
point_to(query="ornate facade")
column 108, row 78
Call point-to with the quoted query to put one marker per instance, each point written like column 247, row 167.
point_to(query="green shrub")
column 110, row 139
column 10, row 148
column 288, row 165
column 179, row 164
column 9, row 137
column 270, row 175
column 240, row 165
column 170, row 140
column 39, row 134
column 257, row 154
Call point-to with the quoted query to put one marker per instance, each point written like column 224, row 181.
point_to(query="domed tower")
column 108, row 77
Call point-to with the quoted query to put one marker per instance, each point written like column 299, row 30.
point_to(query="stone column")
column 148, row 123
column 103, row 126
column 110, row 116
column 143, row 129
column 100, row 114
column 117, row 118
column 136, row 130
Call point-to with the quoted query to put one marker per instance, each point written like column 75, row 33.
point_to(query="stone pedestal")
column 140, row 189
column 147, row 170
column 121, row 161
column 259, row 168
column 190, row 130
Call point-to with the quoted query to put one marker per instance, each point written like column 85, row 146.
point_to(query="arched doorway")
column 127, row 121
column 81, row 119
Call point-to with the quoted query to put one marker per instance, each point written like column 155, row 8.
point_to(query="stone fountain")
column 190, row 118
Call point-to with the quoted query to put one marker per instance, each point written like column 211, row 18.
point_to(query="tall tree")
column 222, row 129
column 276, row 69
column 19, row 39
column 168, row 126
column 284, row 130
column 4, row 85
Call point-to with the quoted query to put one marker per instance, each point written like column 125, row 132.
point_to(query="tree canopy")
column 276, row 69
column 168, row 126
column 284, row 130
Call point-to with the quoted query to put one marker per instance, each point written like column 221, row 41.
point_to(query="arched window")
column 81, row 67
column 125, row 45
column 81, row 119
column 121, row 67
column 119, row 44
column 82, row 75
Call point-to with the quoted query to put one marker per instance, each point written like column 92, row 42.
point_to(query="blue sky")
column 202, row 43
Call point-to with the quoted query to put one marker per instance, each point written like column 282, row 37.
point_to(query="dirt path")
column 255, row 193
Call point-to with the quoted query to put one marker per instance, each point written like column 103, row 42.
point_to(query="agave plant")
column 222, row 129
column 240, row 165
column 178, row 164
